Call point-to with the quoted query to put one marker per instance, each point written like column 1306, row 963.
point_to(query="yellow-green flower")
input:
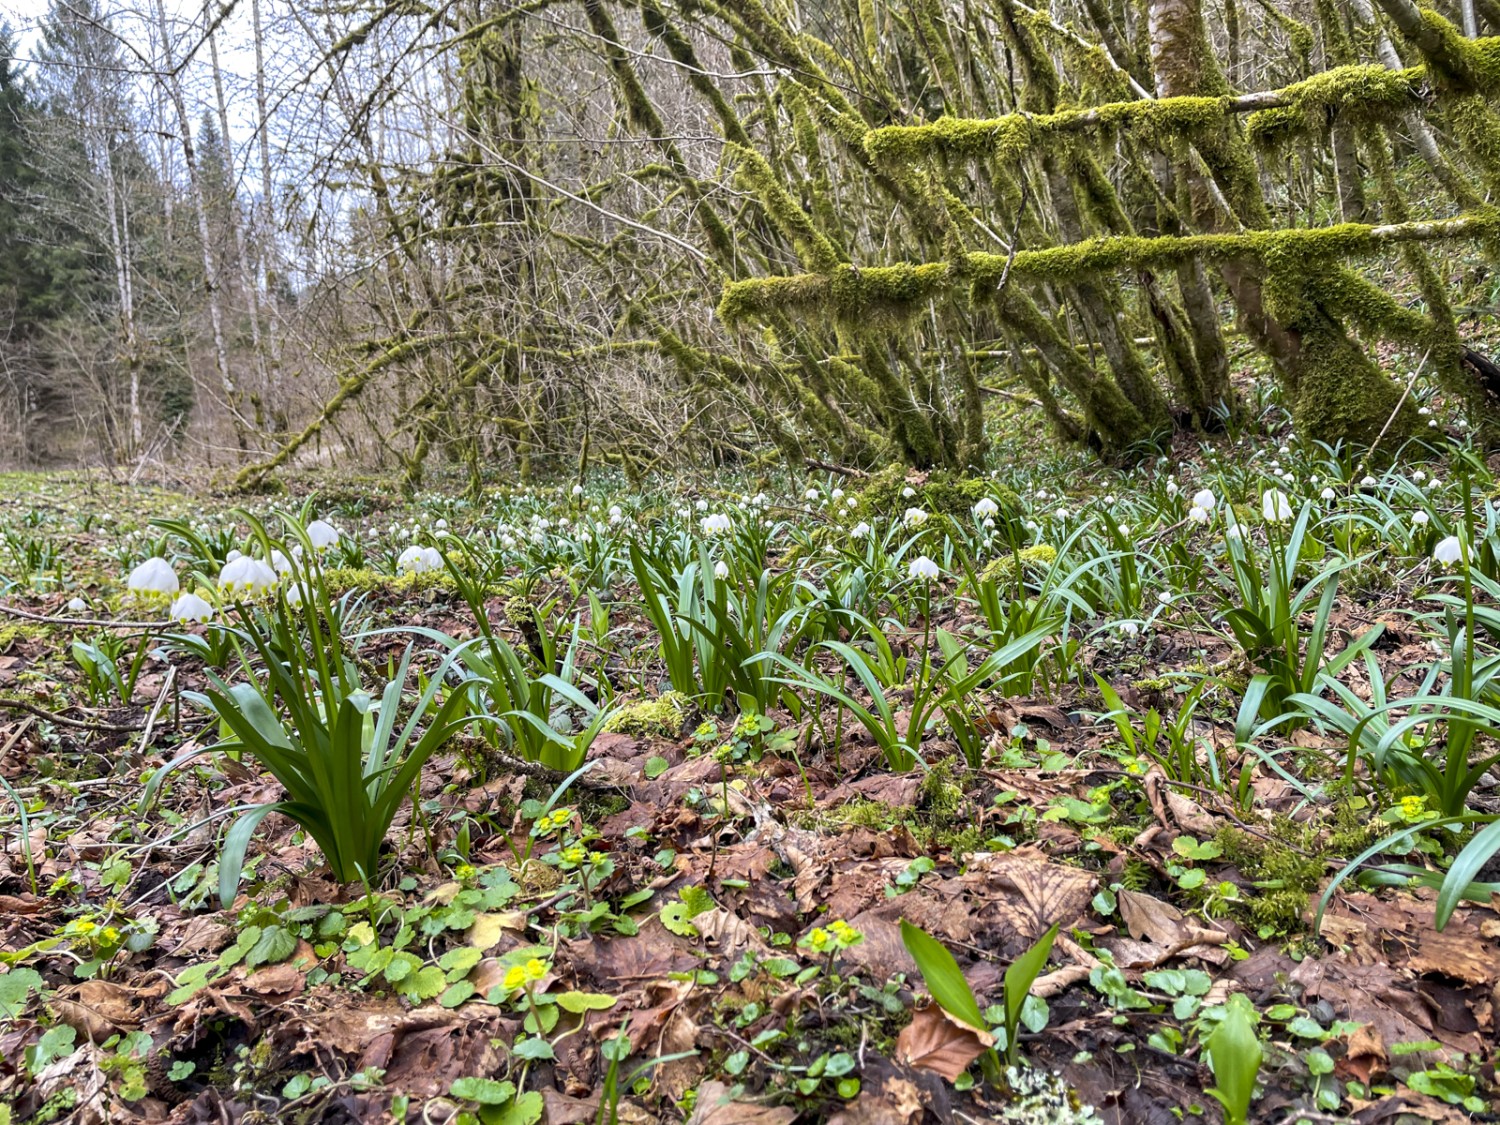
column 535, row 969
column 515, row 978
column 819, row 940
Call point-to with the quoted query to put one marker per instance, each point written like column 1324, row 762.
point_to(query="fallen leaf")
column 97, row 1009
column 488, row 929
column 714, row 1107
column 938, row 1042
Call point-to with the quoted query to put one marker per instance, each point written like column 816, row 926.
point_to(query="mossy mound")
column 1033, row 561
column 939, row 493
column 664, row 717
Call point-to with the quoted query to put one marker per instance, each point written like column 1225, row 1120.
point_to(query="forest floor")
column 652, row 939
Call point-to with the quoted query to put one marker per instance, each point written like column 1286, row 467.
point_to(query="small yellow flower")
column 1413, row 807
column 819, row 940
column 515, row 978
column 463, row 871
column 535, row 969
column 109, row 935
column 575, row 854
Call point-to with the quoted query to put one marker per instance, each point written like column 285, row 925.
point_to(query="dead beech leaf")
column 488, row 929
column 936, row 1041
column 1034, row 893
column 97, row 1009
column 714, row 1107
column 1166, row 927
column 1366, row 1056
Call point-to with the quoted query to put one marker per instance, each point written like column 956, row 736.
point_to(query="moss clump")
column 10, row 634
column 367, row 581
column 1033, row 561
column 1353, row 94
column 1290, row 867
column 664, row 717
column 939, row 493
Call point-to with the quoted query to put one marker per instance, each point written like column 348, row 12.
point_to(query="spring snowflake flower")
column 860, row 530
column 1202, row 506
column 1062, row 515
column 1328, row 494
column 1171, row 488
column 246, row 577
column 578, row 490
column 924, row 569
column 986, row 508
column 417, row 560
column 322, row 535
column 77, row 605
column 716, row 524
column 908, row 492
column 615, row 515
column 721, row 570
column 1420, row 519
column 701, row 505
column 190, row 607
column 836, row 494
column 1448, row 552
column 1367, row 482
column 811, row 494
column 914, row 517
column 1274, row 506
column 153, row 581
column 1418, row 477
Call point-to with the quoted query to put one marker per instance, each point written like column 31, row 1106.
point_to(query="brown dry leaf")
column 488, row 929
column 1366, row 1056
column 1455, row 954
column 1165, row 925
column 1034, row 894
column 97, row 1009
column 897, row 1102
column 938, row 1042
column 1189, row 815
column 714, row 1107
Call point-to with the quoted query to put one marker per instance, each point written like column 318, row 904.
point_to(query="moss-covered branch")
column 892, row 293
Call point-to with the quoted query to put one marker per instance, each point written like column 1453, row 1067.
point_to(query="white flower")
column 615, row 515
column 914, row 517
column 153, row 580
column 908, row 492
column 989, row 522
column 684, row 513
column 1124, row 529
column 1041, row 494
column 1129, row 628
column 986, row 507
column 1171, row 488
column 1196, row 514
column 1328, row 494
column 1274, row 506
column 812, row 494
column 578, row 490
column 279, row 562
column 322, row 535
column 245, row 576
column 1424, row 411
column 715, row 524
column 1367, row 482
column 836, row 494
column 190, row 607
column 721, row 569
column 859, row 530
column 1419, row 476
column 1448, row 552
column 1205, row 499
column 1419, row 518
column 77, row 605
column 701, row 505
column 1165, row 597
column 371, row 534
column 1062, row 514
column 415, row 560
column 924, row 568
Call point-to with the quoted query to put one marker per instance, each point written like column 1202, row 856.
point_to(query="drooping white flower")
column 578, row 490
column 859, row 530
column 1205, row 499
column 812, row 494
column 701, row 505
column 716, row 524
column 1448, row 552
column 985, row 507
column 77, row 605
column 1062, row 514
column 850, row 502
column 908, row 492
column 153, row 580
column 1274, row 506
column 1196, row 514
column 836, row 494
column 190, row 607
column 417, row 560
column 914, row 517
column 1367, row 482
column 923, row 568
column 1171, row 488
column 322, row 535
column 1418, row 477
column 1328, row 494
column 1419, row 518
column 615, row 515
column 246, row 577
column 721, row 570
column 441, row 525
